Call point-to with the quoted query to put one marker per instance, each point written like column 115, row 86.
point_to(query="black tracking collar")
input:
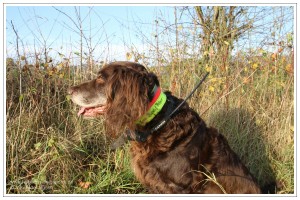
column 142, row 136
column 171, row 110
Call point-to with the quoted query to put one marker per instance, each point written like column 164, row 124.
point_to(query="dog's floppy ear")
column 127, row 93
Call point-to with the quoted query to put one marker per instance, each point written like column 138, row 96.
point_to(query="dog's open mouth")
column 92, row 111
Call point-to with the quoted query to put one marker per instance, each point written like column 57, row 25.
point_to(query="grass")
column 50, row 161
column 50, row 150
column 259, row 126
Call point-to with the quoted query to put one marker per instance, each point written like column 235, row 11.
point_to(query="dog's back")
column 187, row 157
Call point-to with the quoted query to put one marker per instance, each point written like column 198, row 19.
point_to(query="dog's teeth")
column 92, row 111
column 100, row 109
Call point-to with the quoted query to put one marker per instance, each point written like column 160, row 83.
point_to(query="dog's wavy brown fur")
column 127, row 88
column 179, row 157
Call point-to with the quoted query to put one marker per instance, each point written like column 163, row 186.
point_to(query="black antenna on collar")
column 163, row 122
column 142, row 136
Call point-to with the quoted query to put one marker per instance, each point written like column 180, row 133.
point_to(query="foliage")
column 249, row 97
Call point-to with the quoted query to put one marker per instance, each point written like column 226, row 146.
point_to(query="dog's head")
column 121, row 92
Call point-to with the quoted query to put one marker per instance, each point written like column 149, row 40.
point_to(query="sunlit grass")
column 50, row 150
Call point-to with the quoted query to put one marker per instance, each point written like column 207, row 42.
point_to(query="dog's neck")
column 155, row 106
column 155, row 124
column 166, row 110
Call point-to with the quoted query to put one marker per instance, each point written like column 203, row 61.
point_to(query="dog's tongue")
column 91, row 112
column 81, row 111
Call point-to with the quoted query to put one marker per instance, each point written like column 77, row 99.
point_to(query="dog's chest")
column 171, row 169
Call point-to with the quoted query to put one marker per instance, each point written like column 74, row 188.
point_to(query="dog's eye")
column 100, row 79
column 100, row 76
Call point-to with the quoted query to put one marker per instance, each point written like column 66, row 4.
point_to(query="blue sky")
column 115, row 30
column 116, row 25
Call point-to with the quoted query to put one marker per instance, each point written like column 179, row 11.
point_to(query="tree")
column 220, row 28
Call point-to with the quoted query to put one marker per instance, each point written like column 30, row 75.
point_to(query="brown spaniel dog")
column 182, row 155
